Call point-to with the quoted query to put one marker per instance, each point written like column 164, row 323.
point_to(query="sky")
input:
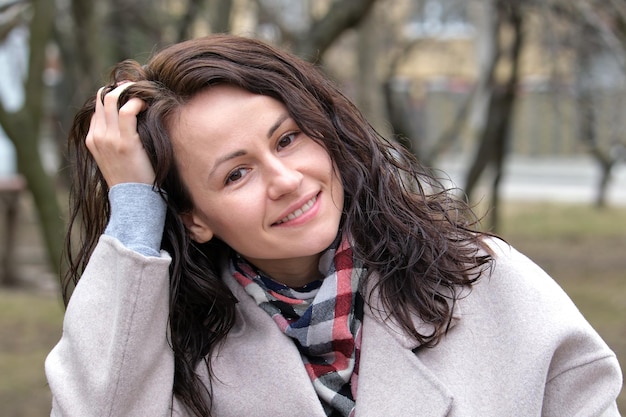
column 13, row 61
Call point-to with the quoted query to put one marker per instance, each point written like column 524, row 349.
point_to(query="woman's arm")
column 114, row 358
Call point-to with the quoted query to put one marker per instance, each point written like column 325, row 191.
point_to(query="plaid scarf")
column 323, row 319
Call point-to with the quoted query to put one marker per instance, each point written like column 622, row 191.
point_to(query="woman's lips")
column 299, row 212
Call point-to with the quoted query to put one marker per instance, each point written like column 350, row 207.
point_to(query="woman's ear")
column 199, row 231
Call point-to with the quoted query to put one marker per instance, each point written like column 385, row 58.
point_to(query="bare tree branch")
column 12, row 17
column 342, row 15
column 609, row 38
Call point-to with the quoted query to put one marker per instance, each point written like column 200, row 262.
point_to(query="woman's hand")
column 114, row 142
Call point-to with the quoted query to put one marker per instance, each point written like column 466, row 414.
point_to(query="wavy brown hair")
column 407, row 228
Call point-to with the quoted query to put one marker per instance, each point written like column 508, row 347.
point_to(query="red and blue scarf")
column 323, row 319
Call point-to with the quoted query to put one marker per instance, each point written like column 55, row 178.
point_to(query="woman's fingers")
column 114, row 142
column 111, row 114
column 127, row 121
column 98, row 113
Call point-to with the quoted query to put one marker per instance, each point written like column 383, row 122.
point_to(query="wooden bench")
column 10, row 190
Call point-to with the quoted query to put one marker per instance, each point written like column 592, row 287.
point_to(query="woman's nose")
column 282, row 179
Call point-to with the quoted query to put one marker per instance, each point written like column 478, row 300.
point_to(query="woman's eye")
column 286, row 140
column 236, row 175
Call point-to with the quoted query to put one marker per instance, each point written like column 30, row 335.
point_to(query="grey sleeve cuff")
column 137, row 217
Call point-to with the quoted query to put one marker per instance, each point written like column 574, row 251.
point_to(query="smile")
column 299, row 212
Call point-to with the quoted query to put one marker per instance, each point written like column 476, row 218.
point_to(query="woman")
column 252, row 247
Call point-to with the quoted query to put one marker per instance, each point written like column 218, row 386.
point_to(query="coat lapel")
column 393, row 382
column 258, row 370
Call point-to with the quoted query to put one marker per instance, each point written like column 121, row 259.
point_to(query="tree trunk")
column 496, row 135
column 587, row 118
column 399, row 113
column 82, row 61
column 185, row 25
column 24, row 133
column 23, row 128
column 398, row 108
column 220, row 11
column 369, row 97
column 605, row 178
column 489, row 56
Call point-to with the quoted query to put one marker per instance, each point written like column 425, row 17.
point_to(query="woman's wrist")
column 137, row 217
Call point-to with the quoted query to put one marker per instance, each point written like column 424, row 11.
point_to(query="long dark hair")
column 411, row 233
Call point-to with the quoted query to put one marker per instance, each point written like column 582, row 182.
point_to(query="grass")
column 582, row 248
column 563, row 221
column 30, row 325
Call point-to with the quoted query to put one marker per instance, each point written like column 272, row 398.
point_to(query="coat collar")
column 392, row 382
column 377, row 311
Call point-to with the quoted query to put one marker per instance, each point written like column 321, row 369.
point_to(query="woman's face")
column 257, row 182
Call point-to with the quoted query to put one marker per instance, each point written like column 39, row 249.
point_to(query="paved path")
column 550, row 179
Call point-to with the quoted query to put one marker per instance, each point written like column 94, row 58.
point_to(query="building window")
column 439, row 19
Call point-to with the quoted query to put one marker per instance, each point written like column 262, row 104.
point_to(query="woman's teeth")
column 299, row 212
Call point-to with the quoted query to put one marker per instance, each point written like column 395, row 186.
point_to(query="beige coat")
column 518, row 347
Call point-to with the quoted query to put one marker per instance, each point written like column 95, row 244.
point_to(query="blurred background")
column 520, row 103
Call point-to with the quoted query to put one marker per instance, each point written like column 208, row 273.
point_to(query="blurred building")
column 452, row 42
column 453, row 37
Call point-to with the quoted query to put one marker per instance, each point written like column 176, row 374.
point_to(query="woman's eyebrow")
column 241, row 152
column 276, row 125
column 225, row 158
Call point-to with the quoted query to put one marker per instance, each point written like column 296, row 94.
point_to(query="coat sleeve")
column 114, row 358
column 585, row 383
column 582, row 374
